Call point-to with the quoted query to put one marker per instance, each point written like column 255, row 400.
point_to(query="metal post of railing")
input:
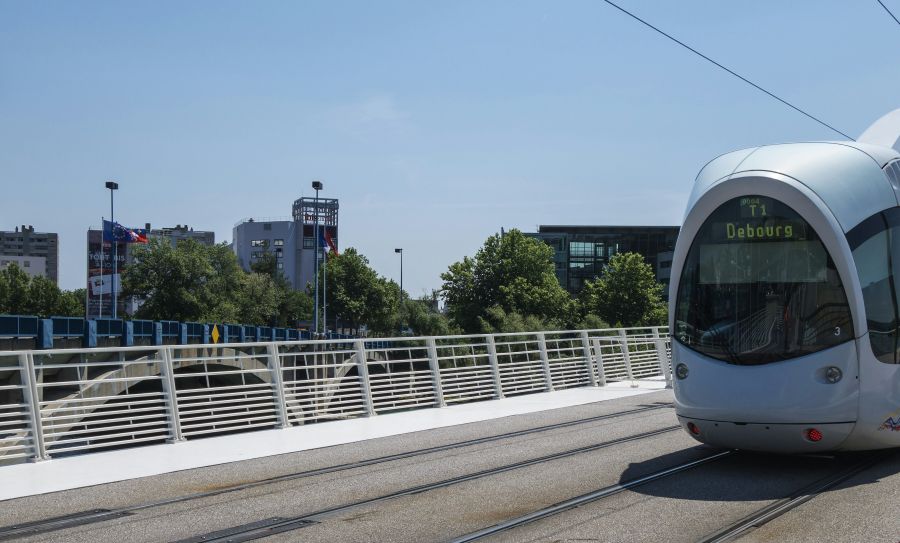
column 32, row 400
column 598, row 353
column 586, row 352
column 626, row 356
column 167, row 372
column 278, row 385
column 495, row 366
column 662, row 356
column 545, row 361
column 363, row 372
column 435, row 372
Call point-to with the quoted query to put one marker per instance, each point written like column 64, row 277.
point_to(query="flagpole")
column 112, row 217
column 102, row 229
column 113, row 186
column 325, row 288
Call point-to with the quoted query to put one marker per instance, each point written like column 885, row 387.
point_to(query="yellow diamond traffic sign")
column 215, row 334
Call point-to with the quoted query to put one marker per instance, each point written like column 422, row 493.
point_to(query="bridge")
column 546, row 436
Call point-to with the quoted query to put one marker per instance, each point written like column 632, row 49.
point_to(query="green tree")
column 512, row 273
column 259, row 300
column 357, row 295
column 293, row 306
column 626, row 293
column 44, row 297
column 71, row 303
column 24, row 295
column 496, row 320
column 187, row 282
column 425, row 318
column 17, row 292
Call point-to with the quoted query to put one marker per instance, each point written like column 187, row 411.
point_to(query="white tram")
column 785, row 297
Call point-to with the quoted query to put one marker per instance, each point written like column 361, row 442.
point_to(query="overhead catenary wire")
column 889, row 12
column 732, row 72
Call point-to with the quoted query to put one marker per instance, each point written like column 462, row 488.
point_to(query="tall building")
column 25, row 242
column 33, row 266
column 177, row 233
column 292, row 241
column 580, row 252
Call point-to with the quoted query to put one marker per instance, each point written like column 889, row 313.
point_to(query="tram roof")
column 847, row 176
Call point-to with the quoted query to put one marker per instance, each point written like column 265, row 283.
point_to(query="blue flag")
column 113, row 231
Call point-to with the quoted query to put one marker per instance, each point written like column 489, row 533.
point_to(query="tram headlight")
column 833, row 374
column 681, row 371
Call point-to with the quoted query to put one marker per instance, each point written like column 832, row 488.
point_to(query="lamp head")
column 398, row 250
column 112, row 185
column 317, row 185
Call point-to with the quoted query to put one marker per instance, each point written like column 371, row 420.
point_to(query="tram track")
column 729, row 533
column 72, row 520
column 587, row 498
column 774, row 510
column 276, row 525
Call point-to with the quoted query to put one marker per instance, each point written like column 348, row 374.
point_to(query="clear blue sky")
column 435, row 124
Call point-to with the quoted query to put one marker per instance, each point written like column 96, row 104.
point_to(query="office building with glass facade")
column 581, row 252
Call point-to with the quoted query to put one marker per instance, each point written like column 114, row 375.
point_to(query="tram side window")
column 876, row 251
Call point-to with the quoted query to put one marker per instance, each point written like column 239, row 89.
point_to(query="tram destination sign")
column 758, row 219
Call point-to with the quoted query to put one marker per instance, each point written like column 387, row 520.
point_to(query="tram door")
column 875, row 244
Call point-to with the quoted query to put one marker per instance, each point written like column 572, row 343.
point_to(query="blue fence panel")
column 158, row 332
column 143, row 329
column 18, row 326
column 109, row 327
column 68, row 327
column 170, row 328
column 195, row 332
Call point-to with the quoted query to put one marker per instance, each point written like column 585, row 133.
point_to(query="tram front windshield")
column 758, row 286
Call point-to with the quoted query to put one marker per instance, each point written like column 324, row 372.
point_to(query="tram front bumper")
column 767, row 437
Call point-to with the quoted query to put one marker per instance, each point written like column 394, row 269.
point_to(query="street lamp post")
column 317, row 186
column 113, row 186
column 400, row 252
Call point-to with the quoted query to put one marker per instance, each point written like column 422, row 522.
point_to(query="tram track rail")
column 774, row 510
column 72, row 520
column 587, row 498
column 275, row 525
column 729, row 533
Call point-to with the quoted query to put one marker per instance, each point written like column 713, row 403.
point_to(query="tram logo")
column 892, row 423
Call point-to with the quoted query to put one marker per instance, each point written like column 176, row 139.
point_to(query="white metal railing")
column 61, row 402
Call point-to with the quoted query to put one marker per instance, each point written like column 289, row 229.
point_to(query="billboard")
column 100, row 278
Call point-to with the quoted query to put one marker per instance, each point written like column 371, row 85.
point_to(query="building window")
column 280, row 265
column 581, row 248
column 278, row 242
column 259, row 243
column 278, row 253
column 26, row 264
column 309, row 243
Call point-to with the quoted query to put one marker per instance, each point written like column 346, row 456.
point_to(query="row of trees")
column 24, row 295
column 509, row 285
column 198, row 283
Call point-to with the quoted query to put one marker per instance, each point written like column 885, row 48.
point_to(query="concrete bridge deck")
column 448, row 474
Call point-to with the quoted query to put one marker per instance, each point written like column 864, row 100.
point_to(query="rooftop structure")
column 177, row 233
